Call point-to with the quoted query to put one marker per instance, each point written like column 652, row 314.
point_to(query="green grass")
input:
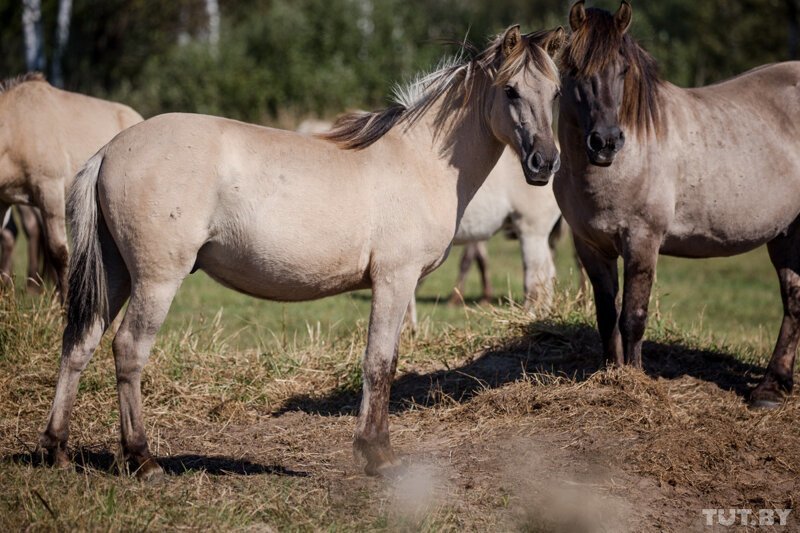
column 733, row 300
column 226, row 362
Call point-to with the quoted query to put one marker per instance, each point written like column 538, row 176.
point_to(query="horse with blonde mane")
column 47, row 135
column 283, row 216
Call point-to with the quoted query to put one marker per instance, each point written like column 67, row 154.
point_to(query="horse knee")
column 792, row 307
column 60, row 256
column 633, row 323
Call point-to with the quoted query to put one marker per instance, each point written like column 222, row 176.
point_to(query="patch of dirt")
column 619, row 451
column 529, row 435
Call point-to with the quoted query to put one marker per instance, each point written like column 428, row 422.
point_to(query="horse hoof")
column 379, row 456
column 150, row 472
column 55, row 457
column 765, row 404
column 388, row 469
column 61, row 461
column 455, row 302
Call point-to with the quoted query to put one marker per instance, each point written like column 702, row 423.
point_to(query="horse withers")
column 651, row 168
column 289, row 217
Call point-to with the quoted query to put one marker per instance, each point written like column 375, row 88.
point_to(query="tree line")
column 274, row 60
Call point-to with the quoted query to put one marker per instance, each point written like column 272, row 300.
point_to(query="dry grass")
column 504, row 424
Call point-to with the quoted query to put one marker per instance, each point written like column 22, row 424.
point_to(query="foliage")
column 288, row 58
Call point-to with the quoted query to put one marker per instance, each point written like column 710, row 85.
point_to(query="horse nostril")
column 596, row 142
column 556, row 165
column 536, row 161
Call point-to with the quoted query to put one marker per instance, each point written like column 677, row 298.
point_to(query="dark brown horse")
column 651, row 168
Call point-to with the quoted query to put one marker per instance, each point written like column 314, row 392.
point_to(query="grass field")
column 733, row 300
column 504, row 422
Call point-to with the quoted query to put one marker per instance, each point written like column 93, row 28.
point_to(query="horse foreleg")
column 640, row 258
column 411, row 314
column 778, row 380
column 391, row 293
column 470, row 250
column 603, row 275
column 539, row 271
column 8, row 238
column 31, row 225
column 55, row 233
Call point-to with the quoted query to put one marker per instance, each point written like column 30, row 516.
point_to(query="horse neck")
column 461, row 140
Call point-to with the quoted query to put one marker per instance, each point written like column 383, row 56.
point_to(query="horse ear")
column 552, row 41
column 623, row 17
column 577, row 15
column 511, row 40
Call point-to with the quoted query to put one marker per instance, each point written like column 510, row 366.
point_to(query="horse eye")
column 558, row 94
column 511, row 92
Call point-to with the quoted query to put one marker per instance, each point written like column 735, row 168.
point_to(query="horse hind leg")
column 77, row 352
column 482, row 258
column 777, row 383
column 147, row 309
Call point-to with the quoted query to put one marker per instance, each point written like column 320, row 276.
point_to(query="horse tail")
column 87, row 298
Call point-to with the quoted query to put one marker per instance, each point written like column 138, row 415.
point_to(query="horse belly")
column 483, row 217
column 285, row 273
column 727, row 233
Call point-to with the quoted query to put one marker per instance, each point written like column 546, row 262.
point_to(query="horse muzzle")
column 538, row 169
column 603, row 146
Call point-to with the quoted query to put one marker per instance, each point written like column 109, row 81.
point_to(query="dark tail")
column 88, row 293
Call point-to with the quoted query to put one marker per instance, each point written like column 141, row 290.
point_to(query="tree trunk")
column 62, row 36
column 212, row 10
column 32, row 29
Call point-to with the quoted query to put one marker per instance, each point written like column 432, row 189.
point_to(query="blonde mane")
column 454, row 76
column 9, row 83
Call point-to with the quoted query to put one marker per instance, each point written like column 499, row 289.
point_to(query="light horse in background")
column 47, row 134
column 504, row 201
column 530, row 213
column 288, row 217
column 39, row 268
column 651, row 168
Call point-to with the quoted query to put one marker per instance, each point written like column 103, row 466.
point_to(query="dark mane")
column 10, row 83
column 455, row 77
column 592, row 48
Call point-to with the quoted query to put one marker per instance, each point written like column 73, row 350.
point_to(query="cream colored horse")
column 30, row 222
column 288, row 217
column 532, row 213
column 46, row 134
column 503, row 201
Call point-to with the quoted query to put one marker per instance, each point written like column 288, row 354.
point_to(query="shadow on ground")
column 103, row 460
column 445, row 300
column 547, row 349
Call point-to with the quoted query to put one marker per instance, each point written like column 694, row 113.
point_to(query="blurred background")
column 276, row 61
